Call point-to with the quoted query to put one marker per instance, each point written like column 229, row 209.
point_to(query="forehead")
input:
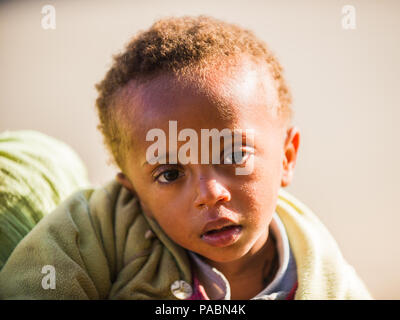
column 241, row 94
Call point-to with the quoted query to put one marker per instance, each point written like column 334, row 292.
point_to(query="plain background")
column 345, row 85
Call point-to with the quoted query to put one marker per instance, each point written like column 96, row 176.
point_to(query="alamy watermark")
column 49, row 17
column 349, row 17
column 49, row 280
column 236, row 151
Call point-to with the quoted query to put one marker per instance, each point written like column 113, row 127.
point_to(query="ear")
column 124, row 180
column 290, row 155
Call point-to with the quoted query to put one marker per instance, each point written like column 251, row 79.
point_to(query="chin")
column 226, row 254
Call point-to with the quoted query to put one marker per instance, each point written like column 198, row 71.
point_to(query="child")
column 178, row 229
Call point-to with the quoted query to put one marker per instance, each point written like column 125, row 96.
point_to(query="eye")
column 237, row 157
column 168, row 176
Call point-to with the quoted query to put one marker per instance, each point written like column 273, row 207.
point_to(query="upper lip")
column 218, row 224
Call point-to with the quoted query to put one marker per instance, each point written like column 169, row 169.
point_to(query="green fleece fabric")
column 37, row 172
column 96, row 240
column 99, row 243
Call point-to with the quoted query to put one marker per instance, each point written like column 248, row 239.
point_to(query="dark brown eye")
column 236, row 157
column 168, row 176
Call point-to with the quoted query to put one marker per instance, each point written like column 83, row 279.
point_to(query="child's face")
column 185, row 198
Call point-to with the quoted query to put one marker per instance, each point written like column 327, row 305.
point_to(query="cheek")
column 259, row 192
column 174, row 219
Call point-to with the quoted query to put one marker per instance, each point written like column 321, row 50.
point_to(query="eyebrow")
column 158, row 158
column 166, row 155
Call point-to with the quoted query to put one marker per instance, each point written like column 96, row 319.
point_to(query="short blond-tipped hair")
column 171, row 45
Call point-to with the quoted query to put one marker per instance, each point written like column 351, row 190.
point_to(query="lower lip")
column 223, row 238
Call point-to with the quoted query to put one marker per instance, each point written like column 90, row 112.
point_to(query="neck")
column 248, row 275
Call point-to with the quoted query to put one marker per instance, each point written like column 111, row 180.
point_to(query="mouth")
column 222, row 237
column 214, row 231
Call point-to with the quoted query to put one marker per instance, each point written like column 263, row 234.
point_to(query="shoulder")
column 97, row 209
column 83, row 239
column 322, row 271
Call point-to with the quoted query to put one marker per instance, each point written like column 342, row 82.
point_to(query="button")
column 272, row 296
column 181, row 289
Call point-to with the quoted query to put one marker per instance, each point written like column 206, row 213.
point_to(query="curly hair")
column 176, row 45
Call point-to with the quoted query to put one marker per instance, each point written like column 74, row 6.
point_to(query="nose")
column 210, row 192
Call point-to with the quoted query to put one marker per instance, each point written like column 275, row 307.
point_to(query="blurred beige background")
column 345, row 85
